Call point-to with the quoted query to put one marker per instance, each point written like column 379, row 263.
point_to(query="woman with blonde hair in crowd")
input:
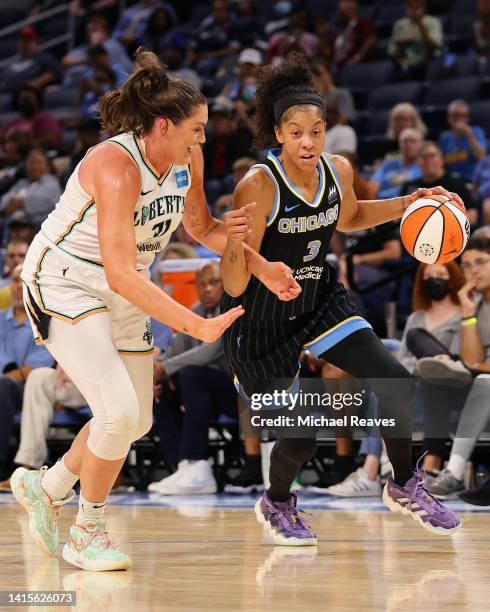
column 402, row 116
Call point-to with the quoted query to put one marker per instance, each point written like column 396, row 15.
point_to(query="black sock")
column 399, row 452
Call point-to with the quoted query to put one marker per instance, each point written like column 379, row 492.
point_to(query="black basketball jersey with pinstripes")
column 298, row 233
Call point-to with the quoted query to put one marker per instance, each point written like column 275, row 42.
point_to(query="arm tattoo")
column 193, row 216
column 233, row 257
column 211, row 229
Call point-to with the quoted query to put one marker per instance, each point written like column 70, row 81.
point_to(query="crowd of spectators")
column 404, row 85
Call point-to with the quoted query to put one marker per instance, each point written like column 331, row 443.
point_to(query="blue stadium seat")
column 8, row 47
column 5, row 102
column 389, row 95
column 480, row 114
column 366, row 76
column 9, row 16
column 376, row 123
column 386, row 17
column 464, row 66
column 56, row 97
column 466, row 88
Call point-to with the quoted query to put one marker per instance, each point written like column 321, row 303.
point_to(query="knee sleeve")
column 116, row 416
column 145, row 422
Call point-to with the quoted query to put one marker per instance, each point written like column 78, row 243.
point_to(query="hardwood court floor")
column 213, row 558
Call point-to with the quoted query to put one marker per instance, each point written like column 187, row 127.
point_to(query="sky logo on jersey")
column 182, row 179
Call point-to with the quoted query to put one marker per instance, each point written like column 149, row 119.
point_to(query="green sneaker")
column 89, row 548
column 43, row 513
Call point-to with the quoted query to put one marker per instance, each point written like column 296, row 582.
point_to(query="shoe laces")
column 298, row 519
column 100, row 536
column 419, row 488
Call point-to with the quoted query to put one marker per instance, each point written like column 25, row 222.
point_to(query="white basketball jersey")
column 72, row 226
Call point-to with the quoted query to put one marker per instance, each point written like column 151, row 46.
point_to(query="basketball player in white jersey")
column 89, row 297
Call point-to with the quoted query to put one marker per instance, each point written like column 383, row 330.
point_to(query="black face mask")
column 27, row 108
column 436, row 288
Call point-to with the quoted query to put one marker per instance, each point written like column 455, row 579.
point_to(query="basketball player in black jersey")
column 296, row 199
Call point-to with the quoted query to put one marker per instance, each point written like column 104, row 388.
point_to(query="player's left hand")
column 278, row 278
column 424, row 193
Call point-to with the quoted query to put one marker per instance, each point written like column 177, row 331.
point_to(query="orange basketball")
column 434, row 229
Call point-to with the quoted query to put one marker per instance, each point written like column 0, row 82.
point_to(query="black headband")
column 299, row 98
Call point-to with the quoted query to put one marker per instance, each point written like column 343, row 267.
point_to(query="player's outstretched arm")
column 358, row 215
column 115, row 182
column 212, row 234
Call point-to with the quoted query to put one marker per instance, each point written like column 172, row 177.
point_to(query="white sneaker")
column 357, row 484
column 161, row 485
column 443, row 371
column 197, row 479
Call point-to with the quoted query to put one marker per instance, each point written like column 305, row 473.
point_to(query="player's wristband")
column 469, row 321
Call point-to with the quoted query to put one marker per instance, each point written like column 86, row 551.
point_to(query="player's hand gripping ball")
column 435, row 228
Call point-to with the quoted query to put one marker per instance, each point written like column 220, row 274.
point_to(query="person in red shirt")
column 32, row 119
column 355, row 41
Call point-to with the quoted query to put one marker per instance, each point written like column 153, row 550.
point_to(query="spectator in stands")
column 213, row 42
column 98, row 33
column 296, row 37
column 475, row 353
column 34, row 68
column 99, row 59
column 431, row 163
column 403, row 115
column 131, row 27
column 15, row 254
column 46, row 390
column 22, row 227
column 225, row 144
column 162, row 32
column 197, row 373
column 278, row 17
column 415, row 39
column 92, row 89
column 390, row 176
column 19, row 355
column 464, row 145
column 325, row 86
column 88, row 136
column 174, row 59
column 355, row 41
column 481, row 30
column 481, row 182
column 37, row 194
column 437, row 315
column 248, row 27
column 15, row 148
column 242, row 85
column 42, row 126
column 339, row 138
column 240, row 168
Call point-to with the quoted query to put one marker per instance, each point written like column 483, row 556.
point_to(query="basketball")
column 434, row 229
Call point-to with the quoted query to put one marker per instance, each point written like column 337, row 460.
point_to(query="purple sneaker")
column 413, row 499
column 284, row 522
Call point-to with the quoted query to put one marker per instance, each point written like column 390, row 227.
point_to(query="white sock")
column 456, row 465
column 90, row 510
column 58, row 480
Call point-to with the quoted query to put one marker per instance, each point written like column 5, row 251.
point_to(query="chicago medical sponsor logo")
column 308, row 272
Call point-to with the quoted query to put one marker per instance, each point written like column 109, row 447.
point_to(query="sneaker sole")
column 395, row 507
column 229, row 488
column 25, row 502
column 436, row 371
column 277, row 538
column 71, row 557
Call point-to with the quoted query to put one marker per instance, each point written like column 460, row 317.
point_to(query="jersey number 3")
column 314, row 248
